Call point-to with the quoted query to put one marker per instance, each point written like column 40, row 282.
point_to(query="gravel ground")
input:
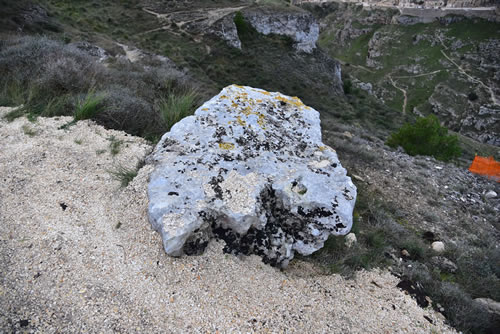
column 77, row 254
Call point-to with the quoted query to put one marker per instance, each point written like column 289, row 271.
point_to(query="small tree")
column 426, row 137
column 243, row 28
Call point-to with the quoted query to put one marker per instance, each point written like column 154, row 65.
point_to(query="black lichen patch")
column 169, row 142
column 173, row 193
column 316, row 213
column 283, row 228
column 347, row 195
column 196, row 243
column 215, row 183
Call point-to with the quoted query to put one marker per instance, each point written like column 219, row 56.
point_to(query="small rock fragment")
column 350, row 240
column 493, row 307
column 438, row 246
column 490, row 194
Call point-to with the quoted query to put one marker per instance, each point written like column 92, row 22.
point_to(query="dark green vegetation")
column 177, row 106
column 88, row 107
column 426, row 137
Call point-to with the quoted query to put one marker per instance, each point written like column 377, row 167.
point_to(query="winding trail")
column 473, row 79
column 470, row 77
column 405, row 94
column 417, row 75
column 210, row 16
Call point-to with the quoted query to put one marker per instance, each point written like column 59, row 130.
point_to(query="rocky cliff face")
column 302, row 27
column 413, row 3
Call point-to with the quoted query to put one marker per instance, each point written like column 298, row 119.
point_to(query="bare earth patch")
column 77, row 254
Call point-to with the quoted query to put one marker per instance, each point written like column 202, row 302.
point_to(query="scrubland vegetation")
column 51, row 78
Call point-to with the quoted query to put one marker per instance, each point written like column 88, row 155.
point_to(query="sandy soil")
column 77, row 254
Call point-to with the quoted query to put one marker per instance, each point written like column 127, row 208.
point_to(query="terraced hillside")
column 449, row 67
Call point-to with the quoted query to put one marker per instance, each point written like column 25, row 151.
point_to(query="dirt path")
column 470, row 77
column 405, row 95
column 208, row 16
column 417, row 75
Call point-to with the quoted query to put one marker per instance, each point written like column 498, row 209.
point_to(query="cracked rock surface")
column 249, row 168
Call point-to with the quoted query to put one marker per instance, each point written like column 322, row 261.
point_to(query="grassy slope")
column 266, row 62
column 401, row 50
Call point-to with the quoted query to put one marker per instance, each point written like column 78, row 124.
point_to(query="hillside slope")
column 78, row 254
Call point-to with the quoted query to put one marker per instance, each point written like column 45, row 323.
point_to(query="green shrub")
column 426, row 137
column 243, row 28
column 177, row 106
column 88, row 107
column 241, row 24
column 347, row 86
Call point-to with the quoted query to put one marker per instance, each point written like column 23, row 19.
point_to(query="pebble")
column 438, row 246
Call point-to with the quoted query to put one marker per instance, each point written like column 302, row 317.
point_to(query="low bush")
column 50, row 78
column 88, row 107
column 176, row 106
column 126, row 111
column 242, row 26
column 426, row 137
column 347, row 86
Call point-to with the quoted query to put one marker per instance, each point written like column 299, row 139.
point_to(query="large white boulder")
column 249, row 168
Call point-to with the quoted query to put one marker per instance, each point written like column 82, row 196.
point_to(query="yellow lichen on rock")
column 226, row 146
column 261, row 120
column 293, row 101
column 326, row 148
column 240, row 121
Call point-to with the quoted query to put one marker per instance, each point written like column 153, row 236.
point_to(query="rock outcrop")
column 302, row 27
column 249, row 168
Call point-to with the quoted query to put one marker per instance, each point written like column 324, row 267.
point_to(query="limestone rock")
column 438, row 246
column 226, row 30
column 249, row 168
column 350, row 240
column 492, row 306
column 302, row 27
column 490, row 194
column 444, row 264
